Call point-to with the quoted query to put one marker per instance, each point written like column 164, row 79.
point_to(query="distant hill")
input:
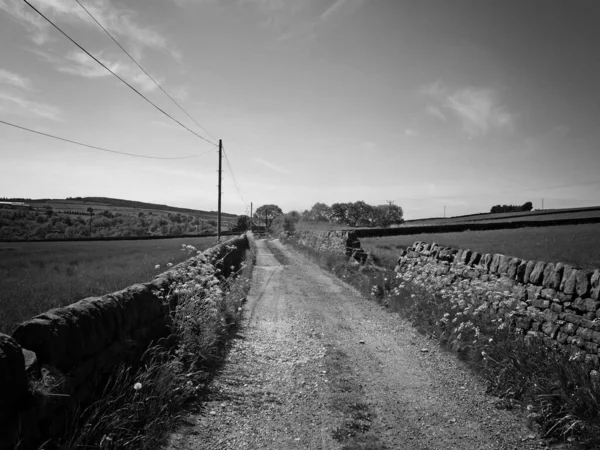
column 69, row 218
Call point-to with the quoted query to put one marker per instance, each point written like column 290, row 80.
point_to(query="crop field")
column 578, row 245
column 37, row 276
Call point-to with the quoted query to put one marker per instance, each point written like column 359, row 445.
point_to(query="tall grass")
column 138, row 405
column 38, row 276
column 560, row 393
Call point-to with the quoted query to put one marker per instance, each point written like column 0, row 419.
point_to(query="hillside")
column 42, row 219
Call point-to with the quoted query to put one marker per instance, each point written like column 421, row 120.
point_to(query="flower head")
column 137, row 386
column 157, row 266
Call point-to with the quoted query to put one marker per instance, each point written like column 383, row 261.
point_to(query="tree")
column 242, row 224
column 266, row 214
column 338, row 212
column 386, row 215
column 319, row 212
column 527, row 206
column 356, row 211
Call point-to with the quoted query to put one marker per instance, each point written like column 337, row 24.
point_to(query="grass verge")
column 138, row 406
column 559, row 393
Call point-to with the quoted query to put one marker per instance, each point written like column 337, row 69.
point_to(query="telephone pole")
column 250, row 216
column 444, row 212
column 219, row 207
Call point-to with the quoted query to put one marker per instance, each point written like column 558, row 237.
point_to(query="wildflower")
column 169, row 264
column 490, row 340
column 137, row 386
column 483, row 354
column 157, row 266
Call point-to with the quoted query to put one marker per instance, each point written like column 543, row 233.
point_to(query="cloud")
column 348, row 6
column 410, row 132
column 118, row 20
column 78, row 63
column 271, row 166
column 478, row 109
column 435, row 112
column 20, row 106
column 16, row 80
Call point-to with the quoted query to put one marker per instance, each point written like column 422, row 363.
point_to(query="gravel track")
column 317, row 366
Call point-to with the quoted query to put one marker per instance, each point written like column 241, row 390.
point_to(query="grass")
column 559, row 393
column 138, row 406
column 38, row 276
column 578, row 245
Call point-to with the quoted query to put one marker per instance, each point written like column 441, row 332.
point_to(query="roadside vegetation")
column 138, row 406
column 578, row 245
column 560, row 395
column 38, row 276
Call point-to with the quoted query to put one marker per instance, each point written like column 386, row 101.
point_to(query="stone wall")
column 555, row 301
column 343, row 242
column 76, row 345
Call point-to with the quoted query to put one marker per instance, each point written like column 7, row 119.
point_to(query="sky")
column 428, row 103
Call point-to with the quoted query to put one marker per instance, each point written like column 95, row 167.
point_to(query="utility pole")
column 444, row 211
column 219, row 207
column 250, row 216
column 542, row 204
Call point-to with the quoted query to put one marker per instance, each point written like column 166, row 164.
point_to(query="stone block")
column 13, row 379
column 550, row 316
column 562, row 337
column 519, row 292
column 570, row 282
column 550, row 329
column 578, row 304
column 562, row 297
column 521, row 269
column 537, row 273
column 547, row 275
column 474, row 259
column 495, row 262
column 528, row 269
column 548, row 293
column 582, row 282
column 503, row 264
column 533, row 292
column 556, row 276
column 540, row 303
column 569, row 328
column 465, row 256
column 485, row 261
column 513, row 265
column 595, row 285
column 591, row 347
column 556, row 307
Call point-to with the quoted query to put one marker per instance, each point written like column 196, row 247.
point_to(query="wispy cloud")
column 78, row 63
column 409, row 132
column 14, row 104
column 119, row 20
column 478, row 109
column 271, row 166
column 434, row 111
column 16, row 80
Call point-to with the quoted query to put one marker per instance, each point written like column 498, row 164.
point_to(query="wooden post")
column 219, row 207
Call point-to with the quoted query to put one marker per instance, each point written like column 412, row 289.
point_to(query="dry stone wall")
column 342, row 242
column 554, row 301
column 76, row 345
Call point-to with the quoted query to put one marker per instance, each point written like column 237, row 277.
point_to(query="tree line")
column 527, row 206
column 353, row 214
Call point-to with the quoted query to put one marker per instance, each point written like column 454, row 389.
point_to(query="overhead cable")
column 113, row 73
column 144, row 70
column 100, row 148
column 233, row 177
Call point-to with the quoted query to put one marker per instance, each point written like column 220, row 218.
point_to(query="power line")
column 113, row 73
column 144, row 70
column 233, row 177
column 100, row 148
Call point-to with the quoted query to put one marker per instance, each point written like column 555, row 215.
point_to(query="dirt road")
column 319, row 367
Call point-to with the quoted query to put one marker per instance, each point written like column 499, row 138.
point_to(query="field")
column 577, row 245
column 37, row 276
column 550, row 214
